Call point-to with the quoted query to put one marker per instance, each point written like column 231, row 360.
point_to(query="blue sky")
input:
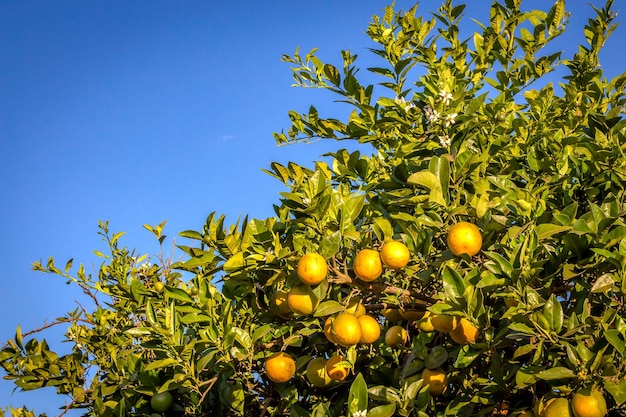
column 145, row 111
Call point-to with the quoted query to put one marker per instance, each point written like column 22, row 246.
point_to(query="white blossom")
column 471, row 145
column 361, row 413
column 445, row 141
column 431, row 114
column 407, row 105
column 450, row 118
column 306, row 201
column 445, row 96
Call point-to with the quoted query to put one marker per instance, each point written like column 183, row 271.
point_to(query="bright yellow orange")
column 301, row 300
column 347, row 329
column 328, row 330
column 465, row 332
column 425, row 324
column 312, row 268
column 436, row 379
column 559, row 407
column 395, row 255
column 444, row 323
column 464, row 238
column 370, row 329
column 316, row 373
column 588, row 402
column 280, row 367
column 396, row 335
column 367, row 265
column 355, row 307
column 280, row 301
column 336, row 371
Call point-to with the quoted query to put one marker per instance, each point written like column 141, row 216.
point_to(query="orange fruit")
column 540, row 406
column 436, row 379
column 367, row 265
column 347, row 329
column 301, row 300
column 411, row 314
column 464, row 238
column 465, row 332
column 444, row 323
column 559, row 407
column 396, row 335
column 392, row 314
column 425, row 324
column 161, row 401
column 355, row 307
column 588, row 402
column 280, row 367
column 370, row 329
column 336, row 371
column 312, row 268
column 280, row 301
column 328, row 330
column 316, row 373
column 395, row 255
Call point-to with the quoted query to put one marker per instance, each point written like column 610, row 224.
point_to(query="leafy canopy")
column 473, row 129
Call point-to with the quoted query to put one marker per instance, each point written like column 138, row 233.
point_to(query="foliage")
column 470, row 130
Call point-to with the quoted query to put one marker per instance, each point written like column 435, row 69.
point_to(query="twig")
column 74, row 400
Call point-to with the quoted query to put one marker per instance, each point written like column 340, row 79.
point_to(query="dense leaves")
column 472, row 130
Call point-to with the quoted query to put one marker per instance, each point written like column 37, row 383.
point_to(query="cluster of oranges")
column 353, row 326
column 586, row 402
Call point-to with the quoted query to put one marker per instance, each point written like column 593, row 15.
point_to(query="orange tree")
column 520, row 311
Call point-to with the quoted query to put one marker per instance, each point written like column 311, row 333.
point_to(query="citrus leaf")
column 326, row 308
column 559, row 372
column 386, row 410
column 616, row 389
column 357, row 398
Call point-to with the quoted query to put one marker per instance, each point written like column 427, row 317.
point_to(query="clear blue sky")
column 144, row 111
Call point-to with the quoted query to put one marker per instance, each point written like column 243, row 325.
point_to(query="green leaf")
column 616, row 389
column 326, row 308
column 357, row 398
column 453, row 284
column 616, row 339
column 177, row 294
column 553, row 312
column 161, row 363
column 547, row 230
column 559, row 372
column 386, row 410
column 430, row 181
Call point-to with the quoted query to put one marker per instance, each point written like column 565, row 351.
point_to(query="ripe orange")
column 328, row 330
column 336, row 371
column 395, row 255
column 588, row 402
column 161, row 401
column 347, row 329
column 465, row 332
column 316, row 373
column 444, row 323
column 355, row 307
column 436, row 379
column 392, row 314
column 464, row 238
column 301, row 300
column 280, row 367
column 559, row 407
column 396, row 335
column 280, row 301
column 425, row 324
column 367, row 265
column 370, row 329
column 312, row 268
column 411, row 314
